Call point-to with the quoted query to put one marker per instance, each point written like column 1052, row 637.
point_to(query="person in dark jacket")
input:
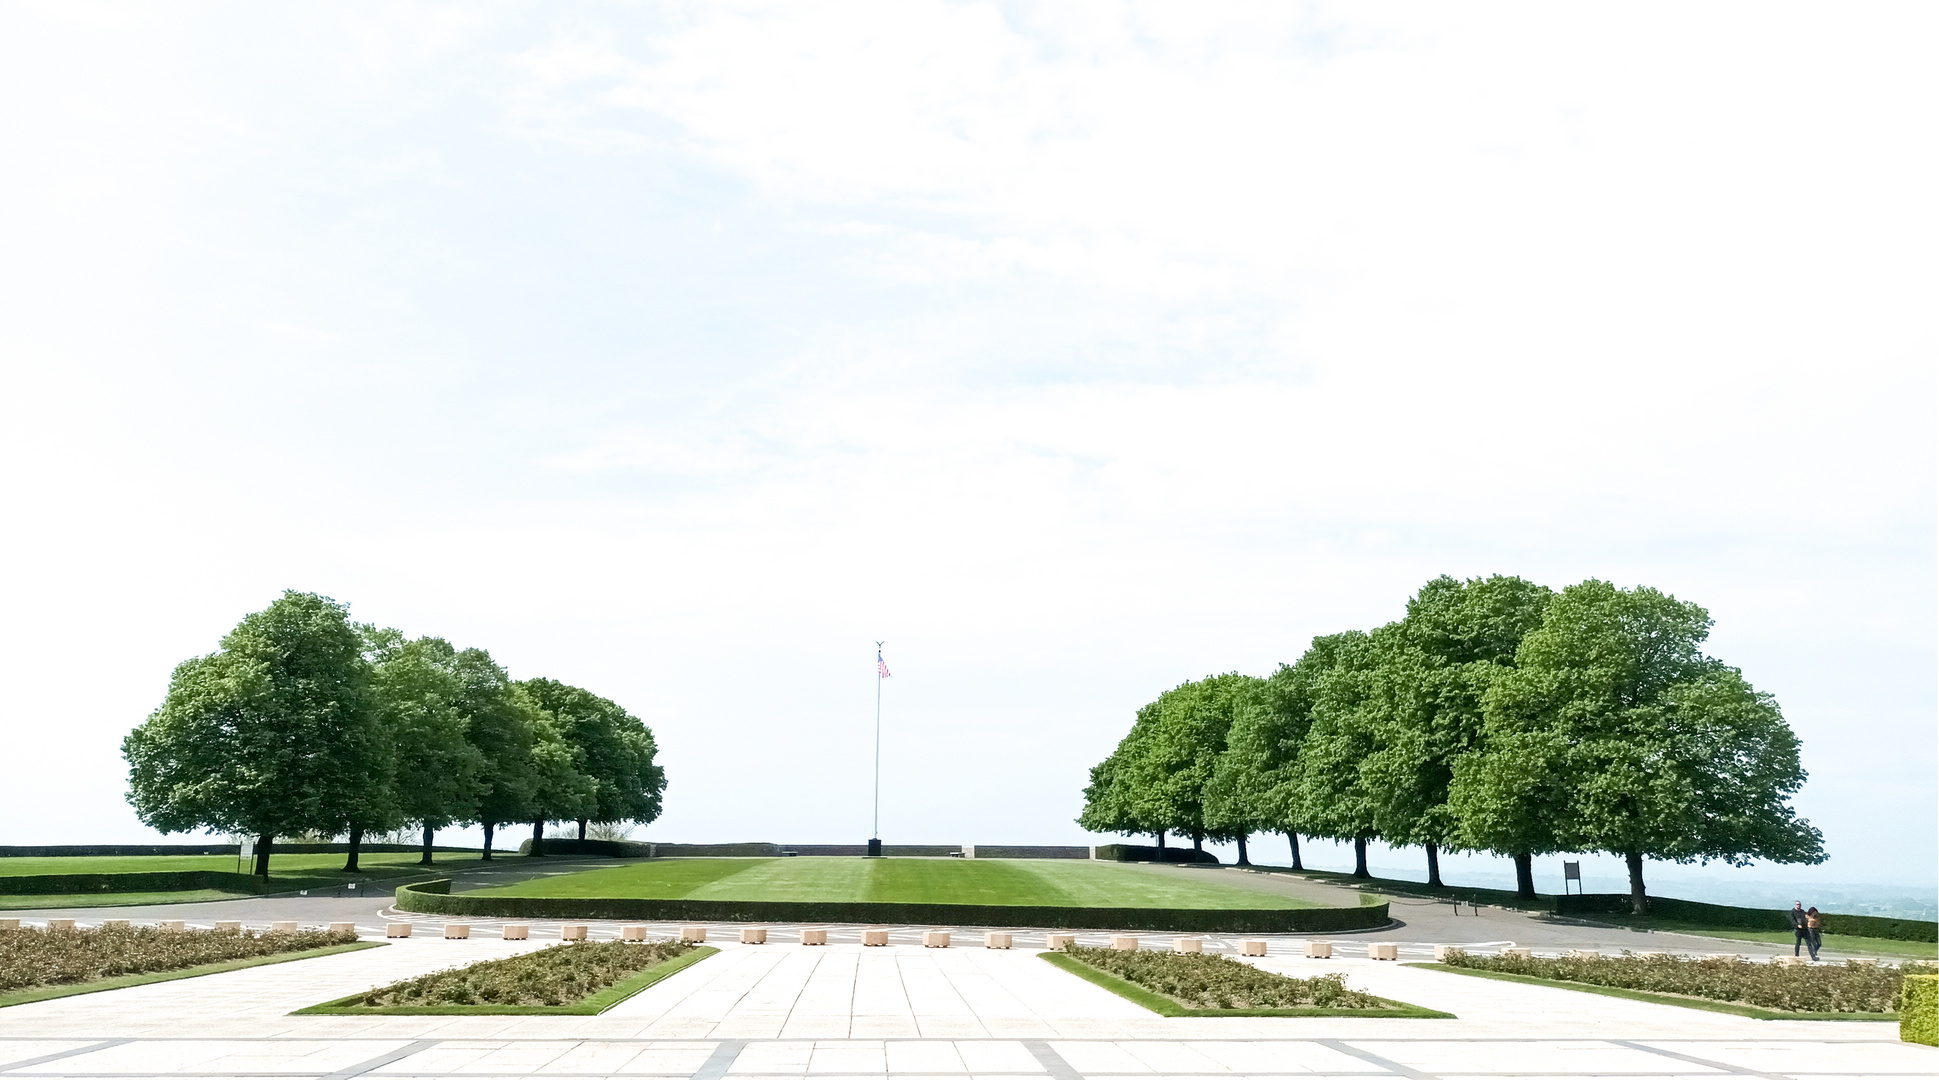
column 1798, row 930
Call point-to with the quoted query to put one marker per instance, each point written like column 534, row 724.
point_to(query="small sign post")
column 244, row 852
column 1572, row 871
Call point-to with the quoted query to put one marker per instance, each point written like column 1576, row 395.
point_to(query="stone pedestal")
column 814, row 937
column 632, row 933
column 935, row 939
column 1252, row 948
column 229, row 926
column 60, row 924
column 343, row 928
column 515, row 932
column 573, row 931
column 397, row 929
column 1188, row 945
column 1058, row 941
column 875, row 937
column 695, row 934
column 457, row 931
column 754, row 935
column 1124, row 942
column 1319, row 950
column 114, row 924
column 9, row 924
column 1383, row 950
column 1442, row 952
column 996, row 940
column 284, row 927
column 1584, row 954
column 1518, row 954
column 1716, row 956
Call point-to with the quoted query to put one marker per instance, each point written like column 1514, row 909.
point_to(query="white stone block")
column 1252, row 947
column 814, row 937
column 1124, row 942
column 229, row 926
column 285, row 927
column 754, row 935
column 1383, row 950
column 573, row 931
column 875, row 937
column 60, row 924
column 693, row 933
column 1518, row 954
column 1188, row 945
column 632, row 933
column 9, row 924
column 457, row 931
column 515, row 931
column 343, row 928
column 996, row 939
column 1788, row 961
column 397, row 929
column 1319, row 950
column 1722, row 956
column 1442, row 952
column 1585, row 954
column 178, row 925
column 114, row 924
column 1058, row 941
column 935, row 939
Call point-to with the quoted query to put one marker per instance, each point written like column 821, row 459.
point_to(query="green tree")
column 1433, row 670
column 1630, row 740
column 421, row 696
column 615, row 750
column 561, row 788
column 1254, row 785
column 274, row 733
column 504, row 729
column 1173, row 774
column 1109, row 803
column 1332, row 797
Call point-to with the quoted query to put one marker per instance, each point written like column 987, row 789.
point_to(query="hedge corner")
column 1919, row 1010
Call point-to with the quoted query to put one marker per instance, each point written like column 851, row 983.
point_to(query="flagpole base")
column 875, row 849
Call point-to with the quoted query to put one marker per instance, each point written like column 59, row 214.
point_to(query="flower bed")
column 1198, row 981
column 555, row 976
column 1824, row 988
column 31, row 957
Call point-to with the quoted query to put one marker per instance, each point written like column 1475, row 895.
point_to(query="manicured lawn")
column 1048, row 882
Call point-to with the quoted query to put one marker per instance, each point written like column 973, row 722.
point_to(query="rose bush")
column 31, row 957
column 1850, row 987
column 559, row 975
column 1214, row 982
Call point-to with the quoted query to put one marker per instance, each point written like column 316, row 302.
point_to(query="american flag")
column 881, row 666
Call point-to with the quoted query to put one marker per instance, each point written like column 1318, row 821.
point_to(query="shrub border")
column 60, row 990
column 1706, row 1004
column 590, row 1005
column 1919, row 1022
column 435, row 897
column 1165, row 1006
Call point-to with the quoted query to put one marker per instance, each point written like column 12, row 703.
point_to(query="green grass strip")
column 1165, row 1006
column 1706, row 1004
column 45, row 993
column 587, row 1006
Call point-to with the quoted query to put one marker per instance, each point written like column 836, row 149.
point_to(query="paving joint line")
column 44, row 1058
column 1340, row 1046
column 1706, row 1062
column 1052, row 1061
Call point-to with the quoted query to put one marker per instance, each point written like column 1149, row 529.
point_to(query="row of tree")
column 1496, row 715
column 303, row 722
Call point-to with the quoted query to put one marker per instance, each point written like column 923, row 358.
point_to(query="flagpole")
column 876, row 825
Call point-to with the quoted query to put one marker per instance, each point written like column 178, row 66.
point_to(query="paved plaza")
column 787, row 1010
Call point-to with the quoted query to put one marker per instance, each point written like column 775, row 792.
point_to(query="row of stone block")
column 227, row 926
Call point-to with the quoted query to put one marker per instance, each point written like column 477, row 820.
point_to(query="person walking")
column 1814, row 925
column 1798, row 920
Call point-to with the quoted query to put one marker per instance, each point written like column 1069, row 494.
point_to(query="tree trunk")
column 1292, row 838
column 426, row 860
column 1434, row 866
column 1525, row 876
column 263, row 844
column 1360, row 857
column 1638, row 902
column 1243, row 861
column 538, row 838
column 582, row 828
column 488, row 830
column 356, row 841
column 1161, row 845
column 1198, row 840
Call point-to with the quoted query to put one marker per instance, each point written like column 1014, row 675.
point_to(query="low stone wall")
column 435, row 897
column 1012, row 851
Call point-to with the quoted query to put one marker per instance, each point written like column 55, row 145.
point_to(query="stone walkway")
column 786, row 1010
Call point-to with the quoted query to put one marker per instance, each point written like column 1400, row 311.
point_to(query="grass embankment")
column 287, row 873
column 36, row 965
column 576, row 979
column 1851, row 991
column 1183, row 984
column 1005, row 882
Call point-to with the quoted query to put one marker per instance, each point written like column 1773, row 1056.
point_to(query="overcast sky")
column 1075, row 350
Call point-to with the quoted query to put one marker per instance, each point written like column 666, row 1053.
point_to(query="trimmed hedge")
column 1919, row 1010
column 1149, row 853
column 1013, row 851
column 157, row 881
column 1742, row 918
column 617, row 849
column 435, row 897
column 67, row 851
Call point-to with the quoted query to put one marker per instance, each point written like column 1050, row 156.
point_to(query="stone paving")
column 842, row 1011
